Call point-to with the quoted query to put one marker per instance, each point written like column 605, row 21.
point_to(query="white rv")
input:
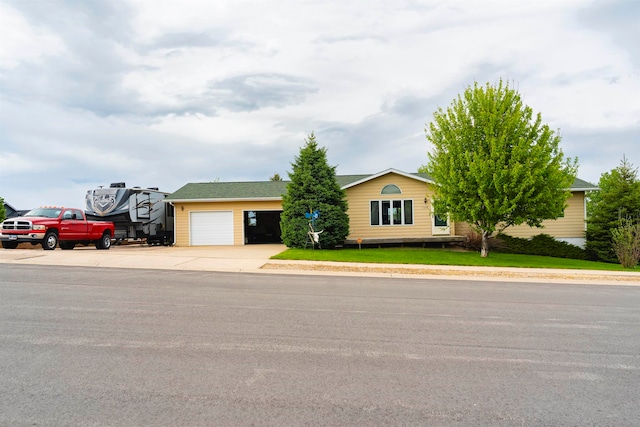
column 138, row 213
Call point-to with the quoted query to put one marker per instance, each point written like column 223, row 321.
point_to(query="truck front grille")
column 16, row 225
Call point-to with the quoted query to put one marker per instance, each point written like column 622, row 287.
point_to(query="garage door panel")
column 211, row 228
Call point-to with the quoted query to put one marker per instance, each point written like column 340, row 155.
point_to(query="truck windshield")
column 44, row 212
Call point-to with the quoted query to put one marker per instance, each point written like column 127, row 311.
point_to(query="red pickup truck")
column 52, row 226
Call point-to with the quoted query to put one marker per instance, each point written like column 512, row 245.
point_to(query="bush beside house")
column 313, row 188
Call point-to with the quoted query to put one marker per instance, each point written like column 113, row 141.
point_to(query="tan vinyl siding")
column 571, row 225
column 238, row 209
column 463, row 229
column 361, row 195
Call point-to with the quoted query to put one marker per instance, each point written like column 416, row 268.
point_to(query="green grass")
column 424, row 256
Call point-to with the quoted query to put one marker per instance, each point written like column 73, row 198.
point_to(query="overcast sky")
column 165, row 92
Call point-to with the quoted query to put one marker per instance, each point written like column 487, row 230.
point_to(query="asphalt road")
column 82, row 346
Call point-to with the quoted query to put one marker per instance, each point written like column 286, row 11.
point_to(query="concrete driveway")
column 248, row 258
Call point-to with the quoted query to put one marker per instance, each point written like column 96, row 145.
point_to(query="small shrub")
column 626, row 243
column 474, row 242
column 3, row 213
column 541, row 244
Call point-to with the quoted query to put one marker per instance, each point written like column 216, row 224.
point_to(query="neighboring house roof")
column 580, row 185
column 9, row 209
column 273, row 190
column 11, row 212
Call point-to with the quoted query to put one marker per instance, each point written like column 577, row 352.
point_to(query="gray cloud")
column 620, row 19
column 351, row 38
column 255, row 91
column 87, row 74
column 90, row 83
column 601, row 151
column 180, row 40
column 176, row 43
column 80, row 21
column 392, row 138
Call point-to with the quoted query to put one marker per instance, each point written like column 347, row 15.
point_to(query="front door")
column 441, row 225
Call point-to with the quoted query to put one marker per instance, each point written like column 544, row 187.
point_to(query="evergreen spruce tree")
column 313, row 187
column 618, row 200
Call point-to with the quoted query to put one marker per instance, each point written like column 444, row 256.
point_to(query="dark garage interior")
column 262, row 227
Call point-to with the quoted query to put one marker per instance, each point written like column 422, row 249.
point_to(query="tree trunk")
column 484, row 251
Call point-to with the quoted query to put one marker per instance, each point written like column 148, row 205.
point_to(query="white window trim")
column 402, row 201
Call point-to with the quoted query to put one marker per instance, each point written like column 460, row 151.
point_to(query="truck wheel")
column 67, row 245
column 50, row 241
column 9, row 245
column 104, row 242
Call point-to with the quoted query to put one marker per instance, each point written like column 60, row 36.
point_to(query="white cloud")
column 22, row 42
column 596, row 103
column 18, row 162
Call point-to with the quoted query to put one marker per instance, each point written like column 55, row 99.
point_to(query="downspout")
column 174, row 222
column 585, row 220
column 584, row 202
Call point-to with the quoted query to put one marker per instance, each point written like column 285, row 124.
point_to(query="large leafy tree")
column 3, row 213
column 313, row 187
column 617, row 200
column 495, row 164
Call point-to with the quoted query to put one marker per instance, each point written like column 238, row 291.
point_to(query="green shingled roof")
column 230, row 190
column 583, row 185
column 275, row 189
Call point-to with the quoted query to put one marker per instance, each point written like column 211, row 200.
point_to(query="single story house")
column 389, row 206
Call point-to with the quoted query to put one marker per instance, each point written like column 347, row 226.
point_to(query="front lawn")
column 428, row 256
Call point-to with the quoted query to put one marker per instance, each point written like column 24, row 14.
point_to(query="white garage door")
column 211, row 228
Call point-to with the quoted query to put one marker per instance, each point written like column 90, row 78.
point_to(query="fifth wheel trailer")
column 138, row 213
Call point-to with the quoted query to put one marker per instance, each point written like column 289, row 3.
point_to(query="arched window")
column 391, row 189
column 391, row 210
